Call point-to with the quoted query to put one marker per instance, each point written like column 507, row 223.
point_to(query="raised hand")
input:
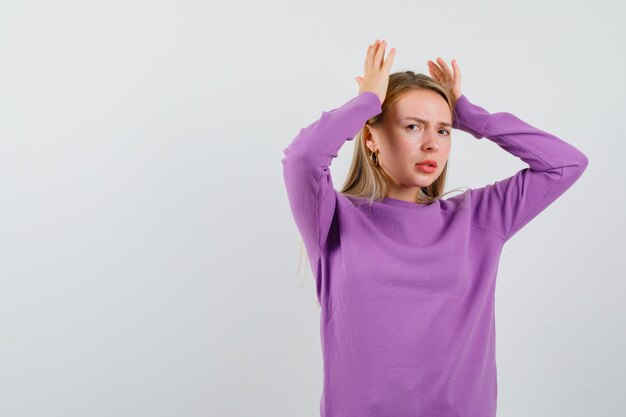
column 450, row 80
column 376, row 73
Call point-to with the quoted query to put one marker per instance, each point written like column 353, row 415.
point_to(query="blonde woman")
column 405, row 278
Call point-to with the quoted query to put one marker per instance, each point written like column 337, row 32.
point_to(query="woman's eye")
column 445, row 132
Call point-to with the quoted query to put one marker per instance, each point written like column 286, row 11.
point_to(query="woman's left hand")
column 448, row 79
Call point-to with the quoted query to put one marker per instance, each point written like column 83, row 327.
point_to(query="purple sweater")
column 407, row 290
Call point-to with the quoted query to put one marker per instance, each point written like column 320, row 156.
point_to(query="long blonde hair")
column 369, row 181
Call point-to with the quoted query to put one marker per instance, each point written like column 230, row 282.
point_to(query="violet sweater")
column 407, row 290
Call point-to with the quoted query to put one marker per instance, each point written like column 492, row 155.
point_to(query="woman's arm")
column 306, row 167
column 506, row 206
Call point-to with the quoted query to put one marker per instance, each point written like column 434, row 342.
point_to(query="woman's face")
column 418, row 127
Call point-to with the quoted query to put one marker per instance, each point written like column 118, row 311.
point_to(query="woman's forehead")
column 428, row 106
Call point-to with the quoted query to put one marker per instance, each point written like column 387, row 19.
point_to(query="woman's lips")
column 428, row 162
column 426, row 168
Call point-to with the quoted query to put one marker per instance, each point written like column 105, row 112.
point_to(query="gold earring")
column 374, row 158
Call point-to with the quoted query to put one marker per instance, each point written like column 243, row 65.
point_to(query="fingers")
column 435, row 71
column 376, row 74
column 450, row 79
column 442, row 71
column 390, row 56
column 445, row 66
column 457, row 71
column 375, row 56
column 369, row 59
column 380, row 53
column 366, row 64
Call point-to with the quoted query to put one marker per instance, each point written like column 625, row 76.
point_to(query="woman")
column 405, row 278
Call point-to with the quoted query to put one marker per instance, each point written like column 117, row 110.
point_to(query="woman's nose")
column 430, row 141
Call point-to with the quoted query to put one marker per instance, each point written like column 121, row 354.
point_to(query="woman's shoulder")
column 349, row 201
column 458, row 201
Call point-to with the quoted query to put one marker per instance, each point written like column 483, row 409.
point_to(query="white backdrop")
column 147, row 251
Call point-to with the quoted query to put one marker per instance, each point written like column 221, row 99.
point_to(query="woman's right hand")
column 376, row 75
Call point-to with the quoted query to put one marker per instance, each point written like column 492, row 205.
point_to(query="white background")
column 147, row 251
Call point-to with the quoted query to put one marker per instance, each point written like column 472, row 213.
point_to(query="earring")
column 374, row 158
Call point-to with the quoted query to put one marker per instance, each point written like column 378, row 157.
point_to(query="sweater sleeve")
column 306, row 162
column 554, row 165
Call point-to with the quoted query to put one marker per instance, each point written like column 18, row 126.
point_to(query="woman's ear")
column 367, row 133
column 367, row 137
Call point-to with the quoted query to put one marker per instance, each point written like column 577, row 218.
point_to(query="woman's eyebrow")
column 426, row 123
